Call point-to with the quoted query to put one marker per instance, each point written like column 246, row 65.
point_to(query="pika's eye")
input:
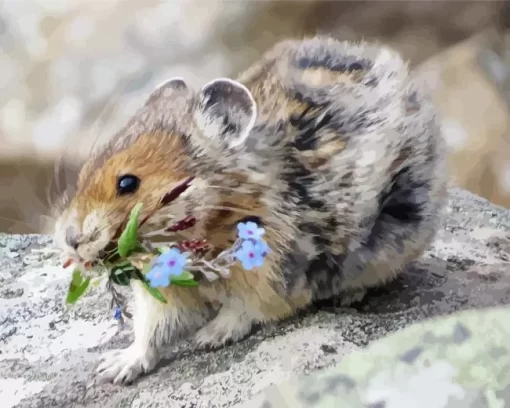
column 127, row 184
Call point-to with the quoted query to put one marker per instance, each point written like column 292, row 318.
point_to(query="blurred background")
column 73, row 71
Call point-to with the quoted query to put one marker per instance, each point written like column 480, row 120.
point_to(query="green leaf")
column 184, row 279
column 146, row 268
column 184, row 276
column 128, row 241
column 77, row 287
column 154, row 292
column 187, row 283
column 121, row 265
column 164, row 249
column 96, row 282
column 120, row 276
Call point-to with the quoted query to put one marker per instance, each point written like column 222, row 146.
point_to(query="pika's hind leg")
column 408, row 220
column 155, row 324
column 236, row 319
column 232, row 323
column 250, row 297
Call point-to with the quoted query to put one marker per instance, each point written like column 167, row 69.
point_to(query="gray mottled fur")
column 371, row 208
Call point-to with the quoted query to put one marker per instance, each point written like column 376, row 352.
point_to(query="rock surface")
column 48, row 353
column 457, row 361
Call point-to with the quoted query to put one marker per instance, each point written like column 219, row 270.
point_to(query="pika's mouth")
column 109, row 250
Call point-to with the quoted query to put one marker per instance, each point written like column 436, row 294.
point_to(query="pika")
column 331, row 146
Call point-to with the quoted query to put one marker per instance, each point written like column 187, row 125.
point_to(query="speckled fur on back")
column 361, row 160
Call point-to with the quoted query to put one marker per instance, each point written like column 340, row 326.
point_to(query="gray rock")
column 48, row 353
column 457, row 361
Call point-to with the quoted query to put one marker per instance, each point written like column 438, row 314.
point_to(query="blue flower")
column 249, row 230
column 172, row 260
column 252, row 253
column 170, row 263
column 117, row 314
column 159, row 277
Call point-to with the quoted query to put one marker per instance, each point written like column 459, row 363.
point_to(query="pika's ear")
column 168, row 88
column 226, row 112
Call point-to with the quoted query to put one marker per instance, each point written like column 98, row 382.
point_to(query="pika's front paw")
column 124, row 366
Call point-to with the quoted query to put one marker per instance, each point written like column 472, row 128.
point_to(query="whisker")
column 35, row 204
column 94, row 128
column 163, row 231
column 19, row 222
column 235, row 189
column 169, row 243
column 56, row 192
column 113, row 97
column 46, row 250
column 49, row 37
column 154, row 233
column 227, row 208
column 107, row 225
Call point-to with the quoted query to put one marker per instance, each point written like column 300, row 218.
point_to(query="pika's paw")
column 124, row 366
column 224, row 328
column 347, row 298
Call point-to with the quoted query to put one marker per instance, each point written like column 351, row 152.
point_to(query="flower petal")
column 241, row 229
column 182, row 261
column 247, row 263
column 159, row 277
column 174, row 252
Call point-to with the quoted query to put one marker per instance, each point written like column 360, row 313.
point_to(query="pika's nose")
column 72, row 239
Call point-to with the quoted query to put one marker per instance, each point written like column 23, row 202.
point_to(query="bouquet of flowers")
column 180, row 263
